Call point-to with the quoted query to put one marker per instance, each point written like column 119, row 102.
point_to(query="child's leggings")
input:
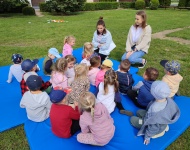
column 86, row 138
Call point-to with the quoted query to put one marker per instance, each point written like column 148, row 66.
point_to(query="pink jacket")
column 67, row 50
column 99, row 77
column 92, row 75
column 58, row 79
column 102, row 127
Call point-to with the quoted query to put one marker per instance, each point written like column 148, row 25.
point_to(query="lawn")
column 184, row 34
column 33, row 36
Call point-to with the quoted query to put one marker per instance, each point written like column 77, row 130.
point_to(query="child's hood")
column 93, row 71
column 99, row 111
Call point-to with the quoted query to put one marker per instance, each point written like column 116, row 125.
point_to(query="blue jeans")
column 136, row 57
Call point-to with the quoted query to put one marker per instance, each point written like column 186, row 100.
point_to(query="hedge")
column 100, row 6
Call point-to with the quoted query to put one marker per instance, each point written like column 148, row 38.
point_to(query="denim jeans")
column 136, row 57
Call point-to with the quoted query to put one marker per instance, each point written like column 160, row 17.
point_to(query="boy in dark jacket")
column 140, row 93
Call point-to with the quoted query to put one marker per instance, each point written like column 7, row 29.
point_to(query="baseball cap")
column 34, row 82
column 171, row 66
column 108, row 62
column 54, row 52
column 17, row 58
column 28, row 64
column 57, row 96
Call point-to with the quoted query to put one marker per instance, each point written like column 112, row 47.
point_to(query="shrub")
column 127, row 4
column 100, row 6
column 107, row 0
column 165, row 2
column 43, row 7
column 181, row 3
column 65, row 6
column 28, row 11
column 139, row 4
column 154, row 4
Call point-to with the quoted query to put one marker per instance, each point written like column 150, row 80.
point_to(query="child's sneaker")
column 126, row 112
column 143, row 64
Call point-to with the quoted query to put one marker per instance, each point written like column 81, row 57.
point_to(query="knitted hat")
column 160, row 90
column 17, row 58
column 34, row 82
column 54, row 52
column 57, row 96
column 171, row 66
column 28, row 64
column 108, row 63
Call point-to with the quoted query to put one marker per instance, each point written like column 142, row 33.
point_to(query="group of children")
column 66, row 99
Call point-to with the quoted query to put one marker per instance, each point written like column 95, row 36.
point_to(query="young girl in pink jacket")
column 69, row 42
column 58, row 78
column 96, row 124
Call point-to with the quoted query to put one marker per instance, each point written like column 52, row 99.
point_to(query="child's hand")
column 146, row 141
column 75, row 103
column 8, row 81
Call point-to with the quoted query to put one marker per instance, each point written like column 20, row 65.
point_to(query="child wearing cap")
column 36, row 102
column 172, row 77
column 64, row 119
column 15, row 69
column 30, row 67
column 124, row 77
column 106, row 65
column 96, row 124
column 48, row 61
column 154, row 121
column 140, row 93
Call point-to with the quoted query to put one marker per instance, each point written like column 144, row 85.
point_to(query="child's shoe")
column 126, row 112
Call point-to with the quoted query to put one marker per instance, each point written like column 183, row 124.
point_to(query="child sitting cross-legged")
column 124, row 77
column 15, row 69
column 108, row 93
column 87, row 53
column 58, row 78
column 30, row 68
column 172, row 77
column 153, row 122
column 95, row 62
column 49, row 60
column 140, row 93
column 36, row 102
column 64, row 119
column 96, row 124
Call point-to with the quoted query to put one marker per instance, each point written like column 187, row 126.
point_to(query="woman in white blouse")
column 138, row 40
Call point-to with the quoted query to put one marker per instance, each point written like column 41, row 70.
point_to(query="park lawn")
column 184, row 34
column 32, row 37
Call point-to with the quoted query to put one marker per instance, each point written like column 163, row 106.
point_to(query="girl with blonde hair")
column 80, row 84
column 70, row 73
column 87, row 53
column 69, row 42
column 58, row 78
column 96, row 124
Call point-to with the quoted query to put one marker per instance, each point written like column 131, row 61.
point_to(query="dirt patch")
column 162, row 35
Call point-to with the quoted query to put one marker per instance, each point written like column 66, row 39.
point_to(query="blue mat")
column 11, row 114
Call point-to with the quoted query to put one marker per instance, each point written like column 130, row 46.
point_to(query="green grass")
column 184, row 34
column 34, row 39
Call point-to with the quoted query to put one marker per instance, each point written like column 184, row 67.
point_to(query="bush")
column 43, row 7
column 65, row 6
column 181, row 3
column 107, row 0
column 154, row 4
column 139, row 4
column 28, row 11
column 127, row 4
column 13, row 6
column 100, row 6
column 165, row 3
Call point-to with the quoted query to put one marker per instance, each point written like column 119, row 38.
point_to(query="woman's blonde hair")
column 87, row 103
column 88, row 49
column 60, row 65
column 142, row 13
column 110, row 78
column 81, row 71
column 68, row 39
column 70, row 58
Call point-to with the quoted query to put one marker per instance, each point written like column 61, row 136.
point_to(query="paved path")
column 162, row 35
column 38, row 13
